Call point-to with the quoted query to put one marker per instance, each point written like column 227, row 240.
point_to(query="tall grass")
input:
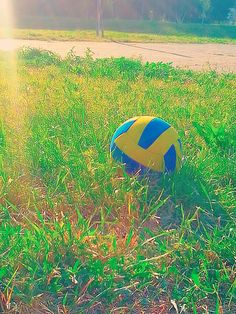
column 77, row 234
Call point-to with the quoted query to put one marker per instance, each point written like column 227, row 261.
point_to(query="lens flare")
column 6, row 18
column 13, row 112
column 6, row 31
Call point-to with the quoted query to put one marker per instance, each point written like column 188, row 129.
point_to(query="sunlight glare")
column 6, row 31
column 14, row 111
column 6, row 18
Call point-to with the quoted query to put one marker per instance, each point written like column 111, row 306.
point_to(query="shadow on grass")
column 188, row 197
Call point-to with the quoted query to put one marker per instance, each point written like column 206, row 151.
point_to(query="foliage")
column 36, row 57
column 169, row 10
column 232, row 16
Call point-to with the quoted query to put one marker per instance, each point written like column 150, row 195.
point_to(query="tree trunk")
column 99, row 19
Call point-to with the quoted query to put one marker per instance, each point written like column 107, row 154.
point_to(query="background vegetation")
column 156, row 21
column 169, row 10
column 80, row 236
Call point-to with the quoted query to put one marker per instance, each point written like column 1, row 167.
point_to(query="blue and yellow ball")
column 147, row 144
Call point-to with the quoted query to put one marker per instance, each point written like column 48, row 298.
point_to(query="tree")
column 220, row 9
column 232, row 16
column 181, row 10
column 169, row 10
column 205, row 7
column 99, row 19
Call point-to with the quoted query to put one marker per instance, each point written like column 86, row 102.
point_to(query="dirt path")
column 221, row 57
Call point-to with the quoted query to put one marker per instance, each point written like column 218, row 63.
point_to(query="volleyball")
column 144, row 144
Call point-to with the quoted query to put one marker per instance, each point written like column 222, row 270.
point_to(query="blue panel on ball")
column 152, row 131
column 131, row 166
column 121, row 130
column 180, row 144
column 170, row 159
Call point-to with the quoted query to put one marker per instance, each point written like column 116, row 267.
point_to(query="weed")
column 38, row 58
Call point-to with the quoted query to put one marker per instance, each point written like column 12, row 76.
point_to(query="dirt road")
column 220, row 57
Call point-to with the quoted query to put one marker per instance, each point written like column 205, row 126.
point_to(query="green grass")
column 77, row 233
column 57, row 28
column 90, row 35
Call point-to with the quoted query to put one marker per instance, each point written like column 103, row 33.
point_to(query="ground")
column 219, row 57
